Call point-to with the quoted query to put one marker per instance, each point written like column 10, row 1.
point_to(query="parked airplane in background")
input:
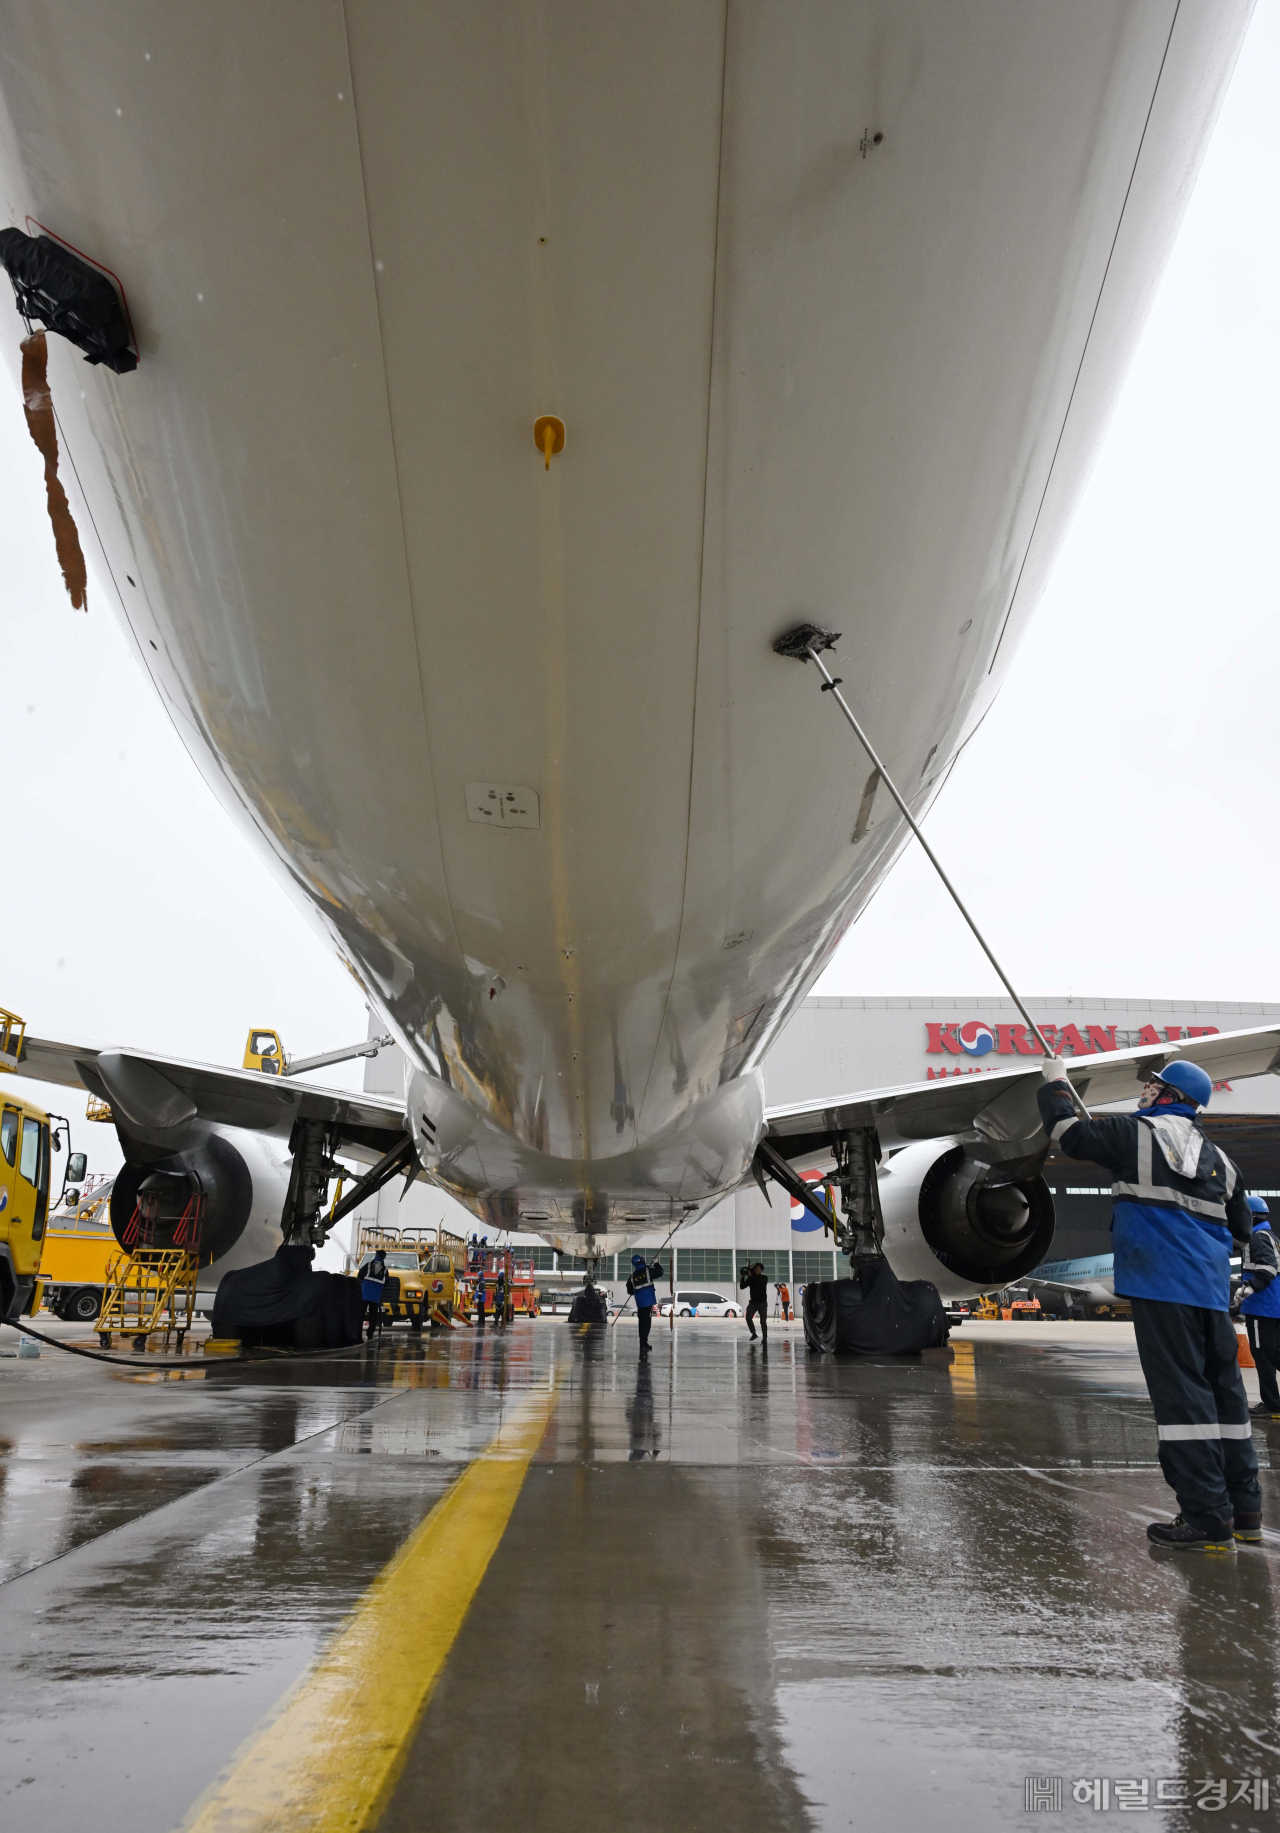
column 1083, row 1284
column 507, row 382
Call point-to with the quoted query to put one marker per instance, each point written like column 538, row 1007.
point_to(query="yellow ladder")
column 142, row 1286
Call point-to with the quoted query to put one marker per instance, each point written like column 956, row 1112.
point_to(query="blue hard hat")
column 1189, row 1080
column 637, row 1260
column 1259, row 1207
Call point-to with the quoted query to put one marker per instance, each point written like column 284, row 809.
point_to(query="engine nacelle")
column 242, row 1177
column 966, row 1226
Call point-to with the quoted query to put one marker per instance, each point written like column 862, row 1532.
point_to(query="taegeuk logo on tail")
column 803, row 1221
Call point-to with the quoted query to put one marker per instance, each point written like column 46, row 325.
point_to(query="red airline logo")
column 976, row 1038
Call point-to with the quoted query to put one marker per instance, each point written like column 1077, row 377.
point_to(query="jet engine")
column 223, row 1189
column 969, row 1227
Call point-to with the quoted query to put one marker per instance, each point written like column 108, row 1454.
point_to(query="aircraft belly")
column 804, row 374
column 242, row 483
column 916, row 345
column 603, row 1202
column 542, row 192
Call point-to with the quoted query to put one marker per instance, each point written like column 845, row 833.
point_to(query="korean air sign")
column 974, row 1037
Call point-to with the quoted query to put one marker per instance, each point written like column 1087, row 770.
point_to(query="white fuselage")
column 832, row 296
column 1091, row 1278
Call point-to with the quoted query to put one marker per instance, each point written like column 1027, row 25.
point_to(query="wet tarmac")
column 731, row 1592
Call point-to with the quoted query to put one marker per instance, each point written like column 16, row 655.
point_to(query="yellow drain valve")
column 548, row 436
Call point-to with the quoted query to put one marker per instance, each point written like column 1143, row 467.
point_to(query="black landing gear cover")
column 590, row 1306
column 282, row 1303
column 874, row 1314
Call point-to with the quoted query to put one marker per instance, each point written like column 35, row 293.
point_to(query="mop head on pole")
column 798, row 642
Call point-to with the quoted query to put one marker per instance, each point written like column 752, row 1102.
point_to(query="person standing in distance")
column 752, row 1279
column 640, row 1285
column 1176, row 1202
column 1259, row 1301
column 371, row 1288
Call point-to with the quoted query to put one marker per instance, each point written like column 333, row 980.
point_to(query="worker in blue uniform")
column 373, row 1280
column 640, row 1285
column 1176, row 1203
column 1259, row 1305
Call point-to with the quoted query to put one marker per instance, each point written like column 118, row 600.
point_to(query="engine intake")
column 161, row 1195
column 967, row 1226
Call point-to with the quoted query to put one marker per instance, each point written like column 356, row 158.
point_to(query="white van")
column 696, row 1303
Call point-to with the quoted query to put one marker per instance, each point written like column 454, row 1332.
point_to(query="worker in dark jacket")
column 752, row 1279
column 1177, row 1201
column 641, row 1287
column 1259, row 1305
column 373, row 1280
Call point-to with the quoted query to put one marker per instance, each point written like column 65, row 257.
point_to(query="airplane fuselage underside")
column 832, row 299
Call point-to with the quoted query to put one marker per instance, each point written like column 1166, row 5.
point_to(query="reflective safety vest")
column 1261, row 1262
column 1177, row 1200
column 643, row 1293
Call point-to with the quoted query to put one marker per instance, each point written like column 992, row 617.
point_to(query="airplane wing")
column 994, row 1105
column 163, row 1091
column 999, row 1103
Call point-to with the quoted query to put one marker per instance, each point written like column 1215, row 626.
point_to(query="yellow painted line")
column 328, row 1757
column 963, row 1372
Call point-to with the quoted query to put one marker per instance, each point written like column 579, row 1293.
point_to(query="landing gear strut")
column 861, row 1233
column 314, row 1144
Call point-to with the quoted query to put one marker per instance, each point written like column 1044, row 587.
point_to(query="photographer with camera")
column 753, row 1279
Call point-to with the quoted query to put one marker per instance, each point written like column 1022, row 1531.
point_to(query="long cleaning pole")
column 833, row 687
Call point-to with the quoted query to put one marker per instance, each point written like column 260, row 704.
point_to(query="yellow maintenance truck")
column 79, row 1247
column 26, row 1142
column 426, row 1273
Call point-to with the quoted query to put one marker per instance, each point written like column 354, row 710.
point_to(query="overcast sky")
column 1112, row 824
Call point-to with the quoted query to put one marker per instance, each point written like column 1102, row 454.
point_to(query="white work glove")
column 1054, row 1070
